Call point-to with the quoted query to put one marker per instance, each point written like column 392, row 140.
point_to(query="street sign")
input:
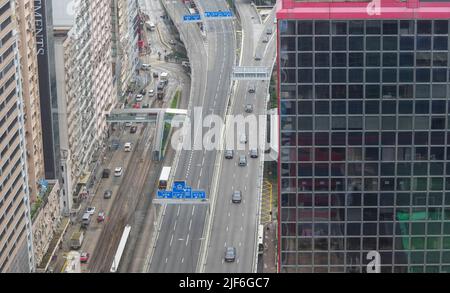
column 181, row 191
column 192, row 18
column 218, row 14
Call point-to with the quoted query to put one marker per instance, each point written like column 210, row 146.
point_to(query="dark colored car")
column 133, row 129
column 230, row 254
column 106, row 173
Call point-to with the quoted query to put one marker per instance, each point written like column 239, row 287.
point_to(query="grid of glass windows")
column 364, row 134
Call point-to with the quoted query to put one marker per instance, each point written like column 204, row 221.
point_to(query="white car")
column 127, row 147
column 139, row 98
column 118, row 172
column 243, row 138
column 146, row 66
column 151, row 93
column 128, row 124
column 90, row 210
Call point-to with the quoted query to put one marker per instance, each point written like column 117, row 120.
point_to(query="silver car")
column 242, row 161
column 254, row 153
column 230, row 254
column 248, row 108
column 229, row 154
column 236, row 197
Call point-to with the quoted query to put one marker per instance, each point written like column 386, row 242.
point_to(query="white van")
column 164, row 76
column 150, row 26
column 127, row 147
column 85, row 220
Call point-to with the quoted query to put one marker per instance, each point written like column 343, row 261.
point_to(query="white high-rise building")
column 85, row 90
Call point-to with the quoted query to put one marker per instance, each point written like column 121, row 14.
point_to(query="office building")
column 364, row 133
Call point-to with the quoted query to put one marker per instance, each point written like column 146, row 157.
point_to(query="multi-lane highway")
column 212, row 58
column 236, row 225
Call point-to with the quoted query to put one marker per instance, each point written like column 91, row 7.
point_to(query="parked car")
column 107, row 194
column 84, row 257
column 106, row 173
column 230, row 254
column 90, row 210
column 127, row 147
column 118, row 172
column 101, row 217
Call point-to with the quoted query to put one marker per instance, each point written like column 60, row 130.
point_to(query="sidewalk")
column 270, row 248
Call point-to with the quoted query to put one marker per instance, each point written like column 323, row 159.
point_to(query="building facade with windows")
column 16, row 250
column 84, row 88
column 364, row 134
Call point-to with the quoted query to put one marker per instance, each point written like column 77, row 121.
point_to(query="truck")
column 161, row 89
column 77, row 240
column 164, row 76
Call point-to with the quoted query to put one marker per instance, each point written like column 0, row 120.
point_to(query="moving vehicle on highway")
column 242, row 161
column 164, row 178
column 229, row 154
column 269, row 31
column 252, row 89
column 243, row 138
column 76, row 240
column 236, row 197
column 139, row 98
column 161, row 89
column 248, row 108
column 118, row 172
column 151, row 93
column 254, row 153
column 257, row 56
column 230, row 254
column 133, row 129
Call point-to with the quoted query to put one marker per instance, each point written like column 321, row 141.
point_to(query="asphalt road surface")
column 212, row 59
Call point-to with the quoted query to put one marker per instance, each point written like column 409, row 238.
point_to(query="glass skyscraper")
column 364, row 133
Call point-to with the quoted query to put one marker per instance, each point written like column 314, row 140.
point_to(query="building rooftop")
column 363, row 9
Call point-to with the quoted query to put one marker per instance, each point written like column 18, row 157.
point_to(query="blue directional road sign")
column 180, row 190
column 218, row 14
column 191, row 18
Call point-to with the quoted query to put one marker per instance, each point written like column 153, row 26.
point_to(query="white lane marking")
column 228, row 228
column 187, row 240
column 240, row 244
column 182, row 260
column 175, row 226
column 190, row 225
column 178, row 212
column 242, row 228
column 167, row 260
column 193, row 210
column 171, row 241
